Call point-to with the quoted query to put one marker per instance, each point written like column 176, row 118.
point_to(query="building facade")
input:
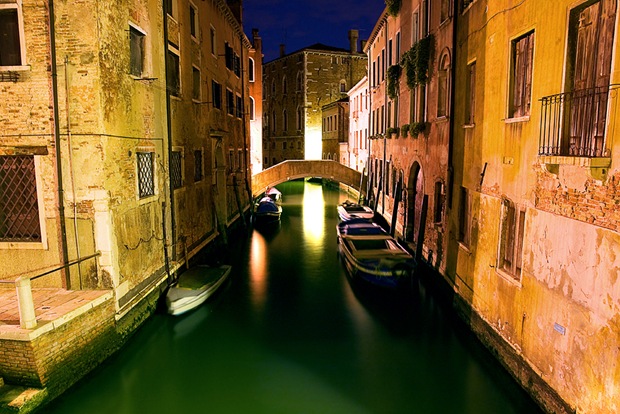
column 296, row 87
column 534, row 224
column 357, row 147
column 255, row 113
column 124, row 143
column 335, row 131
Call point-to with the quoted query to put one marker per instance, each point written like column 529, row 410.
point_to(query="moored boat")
column 371, row 254
column 267, row 211
column 194, row 287
column 274, row 194
column 350, row 210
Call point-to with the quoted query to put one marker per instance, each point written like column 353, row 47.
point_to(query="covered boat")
column 350, row 210
column 371, row 254
column 267, row 211
column 195, row 286
column 274, row 194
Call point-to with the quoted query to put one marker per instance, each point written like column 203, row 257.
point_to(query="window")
column 136, row 51
column 172, row 8
column 390, row 48
column 443, row 89
column 273, row 87
column 445, row 10
column 383, row 65
column 299, row 81
column 273, row 122
column 176, row 169
column 19, row 206
column 216, row 94
column 230, row 102
column 146, row 174
column 284, row 85
column 512, row 227
column 300, row 119
column 173, row 74
column 12, row 49
column 522, row 54
column 343, row 86
column 198, row 171
column 284, row 121
column 439, row 202
column 251, row 70
column 397, row 53
column 251, row 109
column 283, row 145
column 193, row 21
column 415, row 27
column 238, row 106
column 470, row 94
column 213, row 42
column 196, row 83
column 465, row 217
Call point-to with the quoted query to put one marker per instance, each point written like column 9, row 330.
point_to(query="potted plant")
column 404, row 130
column 393, row 132
column 393, row 7
column 417, row 128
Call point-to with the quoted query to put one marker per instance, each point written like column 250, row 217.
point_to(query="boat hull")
column 194, row 287
column 372, row 255
column 350, row 211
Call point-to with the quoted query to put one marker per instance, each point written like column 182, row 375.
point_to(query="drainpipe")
column 169, row 142
column 61, row 192
column 450, row 180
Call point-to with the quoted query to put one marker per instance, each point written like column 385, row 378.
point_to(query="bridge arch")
column 294, row 169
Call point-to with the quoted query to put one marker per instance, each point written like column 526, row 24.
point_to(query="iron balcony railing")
column 573, row 123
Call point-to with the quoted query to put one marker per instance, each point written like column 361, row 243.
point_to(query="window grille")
column 176, row 175
column 146, row 176
column 19, row 208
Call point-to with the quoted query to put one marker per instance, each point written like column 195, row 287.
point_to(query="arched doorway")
column 415, row 196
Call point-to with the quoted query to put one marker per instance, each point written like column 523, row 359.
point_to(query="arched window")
column 443, row 89
column 284, row 85
column 300, row 119
column 284, row 121
column 251, row 109
column 343, row 86
column 251, row 70
column 300, row 80
column 273, row 87
column 273, row 122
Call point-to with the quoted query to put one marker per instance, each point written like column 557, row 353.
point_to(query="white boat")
column 372, row 255
column 274, row 194
column 195, row 286
column 350, row 210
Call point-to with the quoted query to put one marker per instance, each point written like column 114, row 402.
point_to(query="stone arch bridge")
column 294, row 169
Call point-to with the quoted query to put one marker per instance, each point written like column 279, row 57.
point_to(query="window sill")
column 20, row 68
column 516, row 120
column 597, row 167
column 23, row 246
column 508, row 277
column 469, row 126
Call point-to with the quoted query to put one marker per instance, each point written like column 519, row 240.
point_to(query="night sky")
column 301, row 23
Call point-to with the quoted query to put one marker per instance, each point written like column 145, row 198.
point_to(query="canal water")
column 289, row 334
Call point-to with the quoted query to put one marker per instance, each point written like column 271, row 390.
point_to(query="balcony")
column 572, row 128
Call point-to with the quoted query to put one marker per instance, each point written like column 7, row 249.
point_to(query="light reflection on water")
column 289, row 334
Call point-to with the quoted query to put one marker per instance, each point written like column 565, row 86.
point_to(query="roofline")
column 375, row 31
column 236, row 25
column 320, row 51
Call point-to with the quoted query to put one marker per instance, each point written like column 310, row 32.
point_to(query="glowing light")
column 258, row 270
column 314, row 145
column 314, row 215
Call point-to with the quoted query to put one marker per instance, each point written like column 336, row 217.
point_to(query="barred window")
column 176, row 175
column 19, row 208
column 198, row 165
column 146, row 174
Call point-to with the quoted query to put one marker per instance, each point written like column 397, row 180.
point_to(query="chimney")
column 257, row 42
column 353, row 36
column 364, row 42
column 282, row 53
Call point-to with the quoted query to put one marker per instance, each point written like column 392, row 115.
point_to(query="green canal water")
column 289, row 334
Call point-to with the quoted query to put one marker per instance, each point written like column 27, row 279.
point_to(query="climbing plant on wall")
column 416, row 62
column 393, row 75
column 393, row 7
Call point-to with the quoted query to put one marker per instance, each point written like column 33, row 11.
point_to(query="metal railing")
column 23, row 286
column 573, row 123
